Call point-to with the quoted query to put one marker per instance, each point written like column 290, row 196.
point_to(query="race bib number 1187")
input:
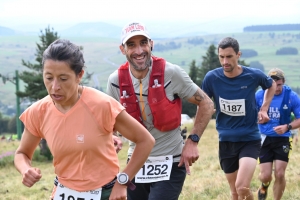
column 234, row 107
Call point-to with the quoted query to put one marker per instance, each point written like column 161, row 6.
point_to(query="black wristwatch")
column 289, row 127
column 194, row 137
column 123, row 179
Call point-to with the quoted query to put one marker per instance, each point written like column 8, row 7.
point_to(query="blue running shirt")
column 236, row 111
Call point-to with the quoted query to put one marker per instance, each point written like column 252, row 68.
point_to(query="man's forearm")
column 268, row 96
column 205, row 110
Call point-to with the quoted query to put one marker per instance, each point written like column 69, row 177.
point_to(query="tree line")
column 7, row 125
column 277, row 27
column 166, row 47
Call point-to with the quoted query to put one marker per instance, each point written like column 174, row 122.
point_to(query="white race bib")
column 232, row 107
column 155, row 169
column 64, row 193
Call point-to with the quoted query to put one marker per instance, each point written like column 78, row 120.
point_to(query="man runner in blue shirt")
column 276, row 141
column 233, row 88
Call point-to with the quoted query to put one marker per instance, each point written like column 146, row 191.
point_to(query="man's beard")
column 148, row 63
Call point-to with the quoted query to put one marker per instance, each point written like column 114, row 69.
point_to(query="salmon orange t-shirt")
column 80, row 140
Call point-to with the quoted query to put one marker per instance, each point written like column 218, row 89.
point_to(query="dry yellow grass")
column 207, row 181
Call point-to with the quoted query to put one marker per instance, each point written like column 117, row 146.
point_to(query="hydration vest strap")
column 285, row 113
column 158, row 69
column 125, row 82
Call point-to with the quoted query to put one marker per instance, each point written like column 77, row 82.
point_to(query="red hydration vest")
column 166, row 113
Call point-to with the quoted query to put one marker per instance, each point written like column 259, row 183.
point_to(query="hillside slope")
column 102, row 54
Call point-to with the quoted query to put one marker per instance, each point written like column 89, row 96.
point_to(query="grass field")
column 206, row 182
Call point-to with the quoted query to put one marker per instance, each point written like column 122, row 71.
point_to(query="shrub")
column 44, row 150
column 258, row 65
column 6, row 159
column 38, row 157
column 247, row 53
column 287, row 51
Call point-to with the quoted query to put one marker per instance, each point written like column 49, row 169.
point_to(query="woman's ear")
column 80, row 75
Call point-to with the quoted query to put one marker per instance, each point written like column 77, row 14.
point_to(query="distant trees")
column 165, row 47
column 257, row 65
column 279, row 27
column 3, row 124
column 272, row 35
column 287, row 51
column 195, row 41
column 7, row 125
column 12, row 125
column 248, row 53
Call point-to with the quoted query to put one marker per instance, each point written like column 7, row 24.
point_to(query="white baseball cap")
column 133, row 29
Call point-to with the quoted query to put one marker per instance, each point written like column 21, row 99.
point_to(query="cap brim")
column 134, row 34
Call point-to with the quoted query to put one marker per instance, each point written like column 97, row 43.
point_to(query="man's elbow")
column 208, row 106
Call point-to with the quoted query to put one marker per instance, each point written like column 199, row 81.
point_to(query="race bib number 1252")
column 155, row 169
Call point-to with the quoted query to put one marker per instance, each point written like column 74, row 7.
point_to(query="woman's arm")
column 23, row 157
column 137, row 133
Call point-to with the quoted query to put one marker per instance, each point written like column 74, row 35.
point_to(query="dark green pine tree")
column 33, row 79
column 194, row 72
column 209, row 62
column 188, row 108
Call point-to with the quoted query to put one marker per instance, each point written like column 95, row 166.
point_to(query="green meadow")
column 206, row 182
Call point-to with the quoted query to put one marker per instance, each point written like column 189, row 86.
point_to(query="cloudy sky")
column 65, row 13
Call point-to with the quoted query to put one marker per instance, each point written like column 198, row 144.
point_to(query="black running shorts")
column 231, row 152
column 275, row 148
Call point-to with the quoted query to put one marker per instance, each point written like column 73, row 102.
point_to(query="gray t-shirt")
column 177, row 82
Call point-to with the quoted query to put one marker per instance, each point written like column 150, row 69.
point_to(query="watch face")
column 194, row 138
column 122, row 178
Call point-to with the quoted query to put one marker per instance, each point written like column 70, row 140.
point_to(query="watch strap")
column 289, row 127
column 194, row 137
column 130, row 185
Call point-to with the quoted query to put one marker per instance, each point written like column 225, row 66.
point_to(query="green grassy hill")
column 102, row 55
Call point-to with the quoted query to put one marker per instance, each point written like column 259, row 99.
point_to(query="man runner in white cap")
column 151, row 90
